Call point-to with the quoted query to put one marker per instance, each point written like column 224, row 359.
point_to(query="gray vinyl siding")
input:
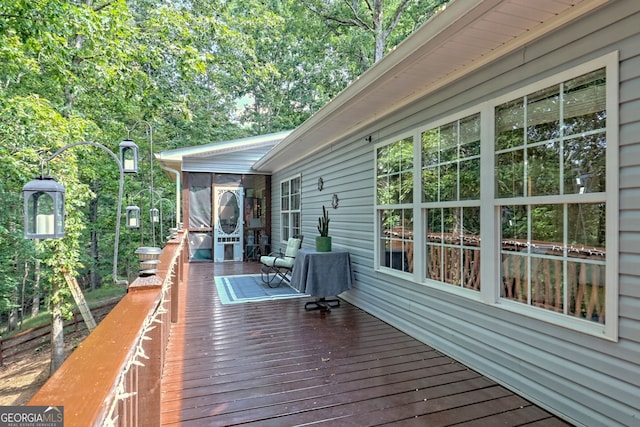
column 236, row 161
column 585, row 379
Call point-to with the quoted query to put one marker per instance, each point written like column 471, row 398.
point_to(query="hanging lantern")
column 43, row 209
column 155, row 216
column 129, row 156
column 133, row 217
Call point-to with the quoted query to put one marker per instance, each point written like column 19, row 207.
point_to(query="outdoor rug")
column 251, row 288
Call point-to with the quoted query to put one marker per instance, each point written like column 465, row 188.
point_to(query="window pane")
column 430, row 148
column 543, row 174
column 515, row 228
column 470, row 179
column 395, row 187
column 509, row 125
column 382, row 160
column 587, row 231
column 471, row 248
column 470, row 136
column 449, row 182
column 383, row 191
column 587, row 291
column 543, row 115
column 547, row 227
column 434, row 244
column 406, row 188
column 430, row 184
column 397, row 239
column 285, row 226
column 449, row 142
column 585, row 164
column 295, row 224
column 547, row 284
column 394, row 175
column 452, row 225
column 510, row 174
column 295, row 201
column 584, row 102
column 513, row 268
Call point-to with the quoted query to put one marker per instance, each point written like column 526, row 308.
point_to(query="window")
column 550, row 154
column 394, row 180
column 290, row 195
column 451, row 193
column 540, row 164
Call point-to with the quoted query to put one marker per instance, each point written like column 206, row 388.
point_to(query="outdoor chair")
column 277, row 268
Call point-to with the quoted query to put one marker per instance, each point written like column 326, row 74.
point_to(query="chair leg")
column 322, row 304
column 268, row 275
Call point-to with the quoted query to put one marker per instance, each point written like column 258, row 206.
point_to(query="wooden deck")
column 274, row 364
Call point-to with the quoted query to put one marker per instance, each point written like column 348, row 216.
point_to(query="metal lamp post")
column 44, row 202
column 129, row 141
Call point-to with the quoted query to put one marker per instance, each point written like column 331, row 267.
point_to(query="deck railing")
column 113, row 377
column 32, row 339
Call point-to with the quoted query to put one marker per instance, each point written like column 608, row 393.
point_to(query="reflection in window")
column 563, row 140
column 451, row 178
column 553, row 247
column 397, row 239
column 290, row 196
column 395, row 173
column 394, row 183
column 453, row 246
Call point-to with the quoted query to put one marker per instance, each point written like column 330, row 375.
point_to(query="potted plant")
column 323, row 241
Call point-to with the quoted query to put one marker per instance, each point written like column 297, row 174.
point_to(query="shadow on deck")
column 274, row 364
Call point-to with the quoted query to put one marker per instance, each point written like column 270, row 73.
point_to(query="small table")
column 322, row 275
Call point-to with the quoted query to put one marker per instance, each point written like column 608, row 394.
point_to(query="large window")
column 550, row 154
column 290, row 207
column 540, row 165
column 451, row 193
column 394, row 181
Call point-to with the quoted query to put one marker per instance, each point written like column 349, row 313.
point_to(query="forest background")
column 167, row 74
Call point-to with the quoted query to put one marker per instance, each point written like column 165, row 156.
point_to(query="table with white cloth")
column 322, row 275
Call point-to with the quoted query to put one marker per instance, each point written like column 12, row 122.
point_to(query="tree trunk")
column 57, row 330
column 379, row 34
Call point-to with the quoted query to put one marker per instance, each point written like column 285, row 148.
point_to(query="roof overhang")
column 176, row 159
column 467, row 35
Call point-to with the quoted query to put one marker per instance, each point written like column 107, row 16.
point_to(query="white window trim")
column 417, row 222
column 289, row 211
column 490, row 206
column 610, row 329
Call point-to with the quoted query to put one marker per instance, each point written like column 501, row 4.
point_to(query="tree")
column 368, row 29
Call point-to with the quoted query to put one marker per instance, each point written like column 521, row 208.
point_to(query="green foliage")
column 196, row 71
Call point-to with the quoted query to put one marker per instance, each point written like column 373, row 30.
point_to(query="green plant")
column 323, row 223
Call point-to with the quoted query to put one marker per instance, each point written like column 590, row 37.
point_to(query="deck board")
column 275, row 364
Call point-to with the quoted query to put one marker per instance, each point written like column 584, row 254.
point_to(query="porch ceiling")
column 466, row 36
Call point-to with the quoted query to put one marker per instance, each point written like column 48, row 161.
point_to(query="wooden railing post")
column 146, row 379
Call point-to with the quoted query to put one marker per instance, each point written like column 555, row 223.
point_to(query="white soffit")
column 174, row 158
column 465, row 36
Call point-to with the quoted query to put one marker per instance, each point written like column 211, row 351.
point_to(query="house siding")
column 587, row 380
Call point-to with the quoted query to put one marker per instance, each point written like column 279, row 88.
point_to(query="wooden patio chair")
column 277, row 268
